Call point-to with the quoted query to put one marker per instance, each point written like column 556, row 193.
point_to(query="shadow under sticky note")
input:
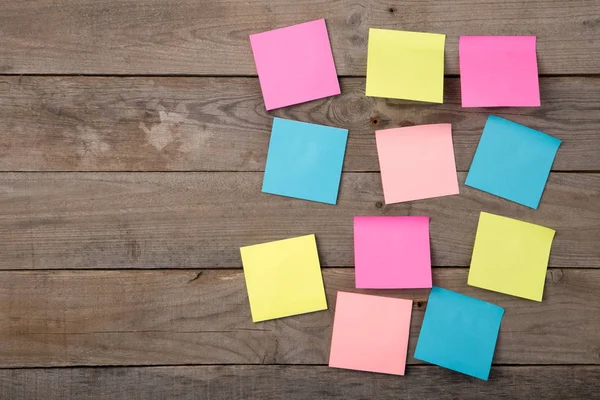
column 512, row 161
column 499, row 71
column 510, row 256
column 370, row 333
column 392, row 252
column 283, row 278
column 295, row 64
column 459, row 333
column 305, row 161
column 416, row 162
column 405, row 65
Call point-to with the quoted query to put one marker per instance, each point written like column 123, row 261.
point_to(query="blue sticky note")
column 459, row 333
column 305, row 161
column 512, row 161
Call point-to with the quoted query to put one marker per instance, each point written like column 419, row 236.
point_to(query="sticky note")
column 512, row 161
column 295, row 64
column 416, row 162
column 283, row 278
column 405, row 65
column 510, row 256
column 499, row 71
column 305, row 161
column 459, row 333
column 370, row 333
column 392, row 252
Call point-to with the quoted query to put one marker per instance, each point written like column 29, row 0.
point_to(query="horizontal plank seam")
column 188, row 269
column 254, row 76
column 269, row 365
column 558, row 171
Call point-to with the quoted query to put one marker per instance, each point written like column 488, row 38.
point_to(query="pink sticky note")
column 392, row 252
column 499, row 71
column 370, row 333
column 295, row 64
column 416, row 162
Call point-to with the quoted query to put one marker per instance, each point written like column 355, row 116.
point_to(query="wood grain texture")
column 220, row 124
column 66, row 318
column 211, row 36
column 199, row 220
column 246, row 382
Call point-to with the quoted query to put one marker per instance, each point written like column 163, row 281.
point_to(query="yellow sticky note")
column 283, row 278
column 406, row 65
column 510, row 256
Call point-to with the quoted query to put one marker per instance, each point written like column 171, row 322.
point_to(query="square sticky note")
column 405, row 65
column 416, row 162
column 499, row 71
column 370, row 333
column 459, row 333
column 305, row 161
column 295, row 64
column 283, row 278
column 392, row 252
column 510, row 256
column 512, row 161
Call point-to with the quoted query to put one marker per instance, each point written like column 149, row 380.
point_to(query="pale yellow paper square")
column 510, row 256
column 283, row 278
column 406, row 65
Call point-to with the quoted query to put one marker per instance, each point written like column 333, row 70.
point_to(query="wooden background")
column 133, row 138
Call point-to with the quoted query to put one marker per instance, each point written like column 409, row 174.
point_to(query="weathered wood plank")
column 199, row 220
column 211, row 37
column 62, row 318
column 295, row 382
column 219, row 124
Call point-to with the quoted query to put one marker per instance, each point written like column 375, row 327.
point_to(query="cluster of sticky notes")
column 304, row 161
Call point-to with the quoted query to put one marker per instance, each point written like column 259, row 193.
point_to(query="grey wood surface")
column 220, row 124
column 199, row 220
column 126, row 193
column 245, row 382
column 210, row 37
column 66, row 318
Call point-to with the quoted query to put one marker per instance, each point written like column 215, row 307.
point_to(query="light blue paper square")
column 512, row 161
column 305, row 161
column 459, row 333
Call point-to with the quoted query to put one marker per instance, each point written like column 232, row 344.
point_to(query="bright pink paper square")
column 499, row 71
column 370, row 333
column 392, row 252
column 295, row 64
column 417, row 162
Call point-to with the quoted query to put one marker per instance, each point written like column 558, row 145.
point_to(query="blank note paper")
column 510, row 256
column 416, row 162
column 405, row 65
column 370, row 333
column 392, row 252
column 295, row 64
column 305, row 161
column 512, row 161
column 283, row 278
column 459, row 333
column 499, row 71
